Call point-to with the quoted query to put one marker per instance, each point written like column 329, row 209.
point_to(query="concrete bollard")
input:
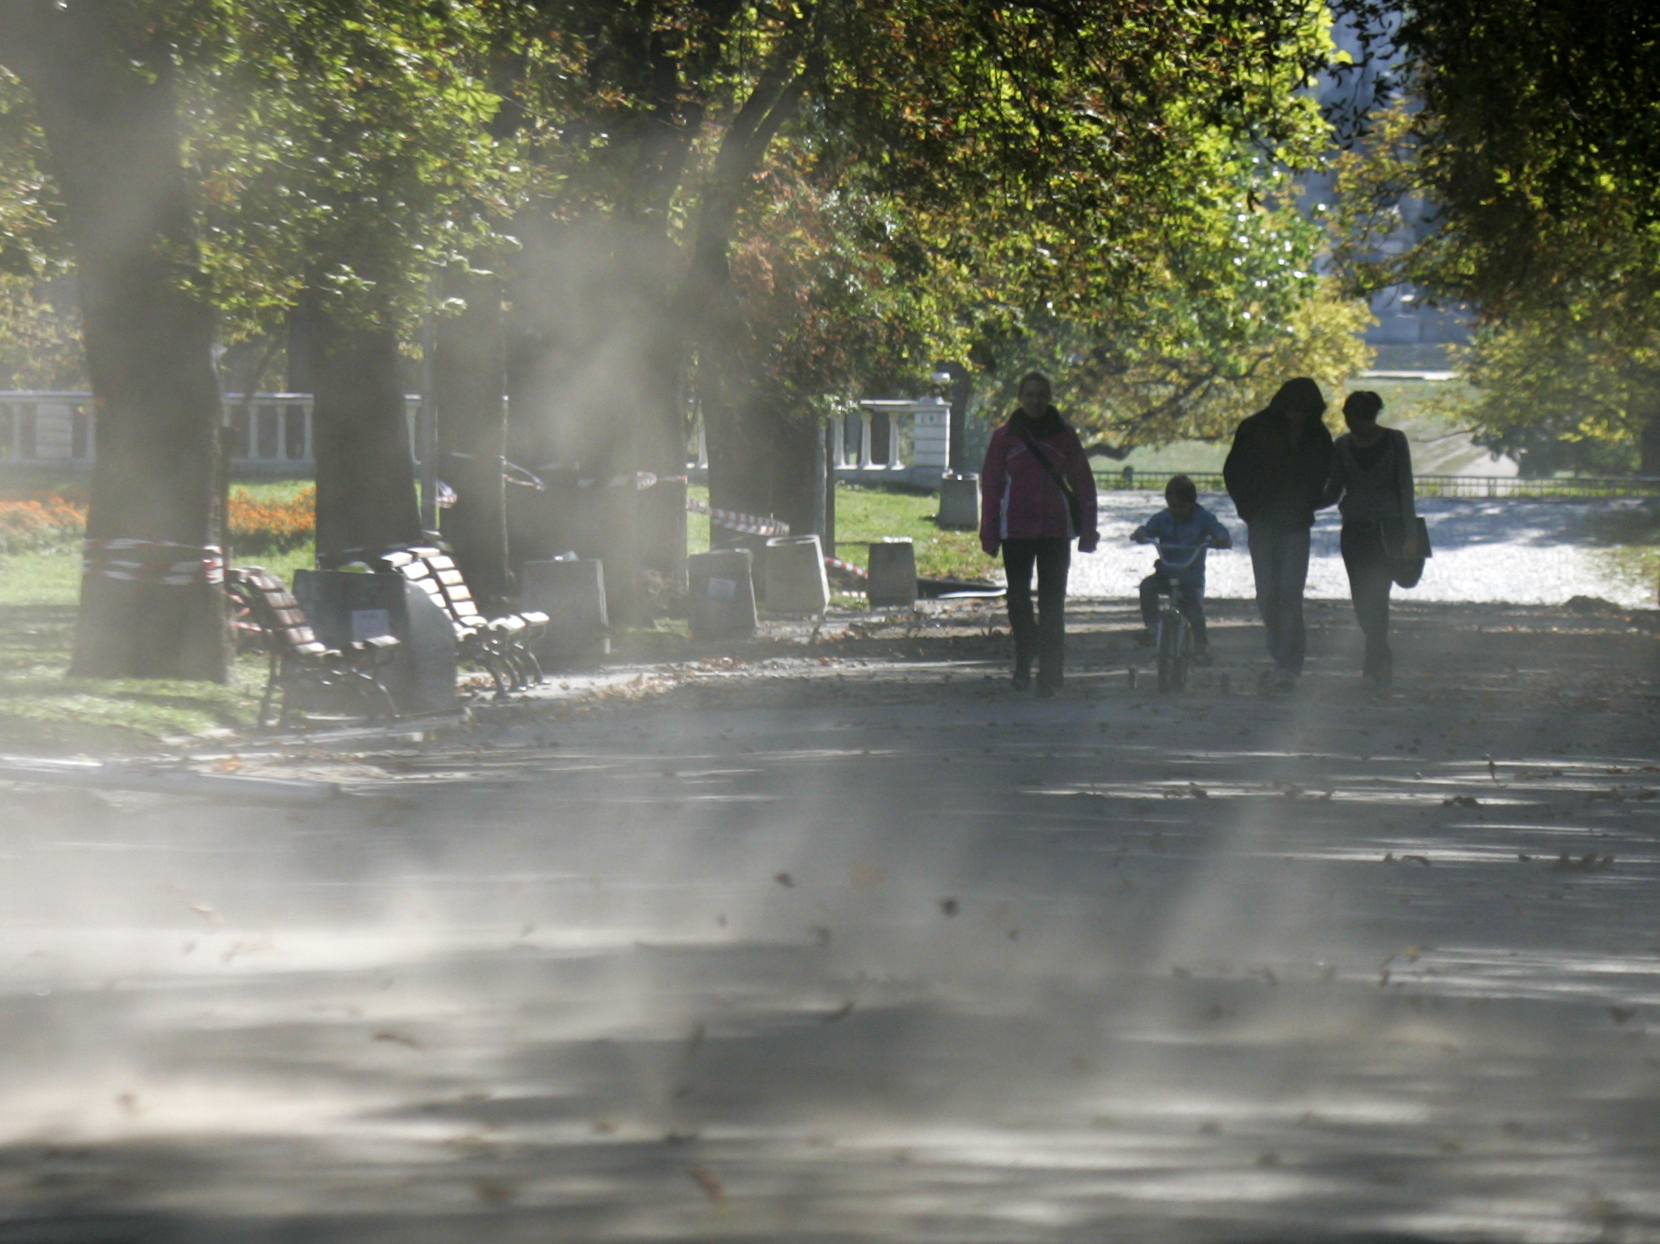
column 959, row 502
column 571, row 592
column 721, row 597
column 892, row 570
column 796, row 583
column 343, row 607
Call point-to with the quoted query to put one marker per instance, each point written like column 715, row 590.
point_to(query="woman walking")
column 1371, row 481
column 1036, row 495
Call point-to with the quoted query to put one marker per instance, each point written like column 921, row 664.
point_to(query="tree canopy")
column 1529, row 131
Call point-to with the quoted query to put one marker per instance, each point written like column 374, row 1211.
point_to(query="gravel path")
column 1521, row 552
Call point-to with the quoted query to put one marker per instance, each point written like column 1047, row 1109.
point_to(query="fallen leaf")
column 785, row 880
column 1621, row 1013
column 707, row 1181
column 386, row 1034
column 840, row 1013
column 948, row 906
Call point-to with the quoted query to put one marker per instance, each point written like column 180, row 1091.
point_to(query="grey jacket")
column 1372, row 496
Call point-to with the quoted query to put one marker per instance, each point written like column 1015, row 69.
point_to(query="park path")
column 1524, row 552
column 842, row 941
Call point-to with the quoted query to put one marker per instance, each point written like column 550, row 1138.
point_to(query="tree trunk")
column 151, row 604
column 469, row 378
column 1648, row 446
column 797, row 471
column 365, row 473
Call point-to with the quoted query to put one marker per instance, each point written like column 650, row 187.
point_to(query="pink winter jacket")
column 1019, row 500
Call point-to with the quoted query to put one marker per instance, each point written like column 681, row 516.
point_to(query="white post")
column 305, row 413
column 865, row 448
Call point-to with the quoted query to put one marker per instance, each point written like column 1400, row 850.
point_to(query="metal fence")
column 1472, row 487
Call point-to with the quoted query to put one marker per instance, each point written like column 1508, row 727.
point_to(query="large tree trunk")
column 469, row 377
column 365, row 473
column 1648, row 446
column 151, row 605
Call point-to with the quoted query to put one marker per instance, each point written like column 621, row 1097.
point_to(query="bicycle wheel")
column 1184, row 653
column 1170, row 644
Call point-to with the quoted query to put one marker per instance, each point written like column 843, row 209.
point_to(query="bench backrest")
column 274, row 610
column 435, row 573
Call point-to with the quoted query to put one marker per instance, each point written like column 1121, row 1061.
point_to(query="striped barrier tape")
column 837, row 563
column 153, row 561
column 749, row 524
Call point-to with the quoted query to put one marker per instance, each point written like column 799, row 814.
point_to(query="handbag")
column 1074, row 506
column 1405, row 571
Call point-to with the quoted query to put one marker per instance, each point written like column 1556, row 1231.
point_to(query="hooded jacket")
column 1276, row 481
column 1019, row 500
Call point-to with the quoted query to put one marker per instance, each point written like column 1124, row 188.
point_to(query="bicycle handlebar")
column 1192, row 551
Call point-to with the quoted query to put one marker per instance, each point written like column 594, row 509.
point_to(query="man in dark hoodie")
column 1276, row 474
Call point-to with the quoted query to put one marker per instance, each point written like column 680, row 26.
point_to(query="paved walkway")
column 1523, row 552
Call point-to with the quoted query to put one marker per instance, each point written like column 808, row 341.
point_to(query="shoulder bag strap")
column 1074, row 507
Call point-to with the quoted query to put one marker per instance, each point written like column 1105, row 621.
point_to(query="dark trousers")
column 1279, row 563
column 1193, row 605
column 1369, row 586
column 1043, row 637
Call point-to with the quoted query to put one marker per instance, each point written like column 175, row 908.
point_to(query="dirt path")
column 846, row 942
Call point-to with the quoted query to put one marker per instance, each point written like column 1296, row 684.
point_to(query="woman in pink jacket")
column 1036, row 495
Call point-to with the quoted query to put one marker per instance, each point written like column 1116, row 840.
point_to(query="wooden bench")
column 265, row 615
column 501, row 645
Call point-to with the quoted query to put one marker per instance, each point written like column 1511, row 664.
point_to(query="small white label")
column 722, row 589
column 368, row 623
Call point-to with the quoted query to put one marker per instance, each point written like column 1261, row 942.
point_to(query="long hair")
column 1300, row 394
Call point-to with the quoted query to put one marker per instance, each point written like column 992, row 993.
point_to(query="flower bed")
column 51, row 519
column 258, row 526
column 41, row 520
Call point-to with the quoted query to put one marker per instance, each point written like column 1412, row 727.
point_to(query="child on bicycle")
column 1184, row 529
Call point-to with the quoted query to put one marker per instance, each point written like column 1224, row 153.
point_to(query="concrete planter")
column 892, row 582
column 796, row 582
column 722, row 594
column 572, row 593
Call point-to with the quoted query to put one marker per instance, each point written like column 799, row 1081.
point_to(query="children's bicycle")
column 1175, row 635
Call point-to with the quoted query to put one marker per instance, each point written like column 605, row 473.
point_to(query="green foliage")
column 832, row 302
column 1226, row 308
column 1556, row 397
column 342, row 146
column 1533, row 137
column 39, row 330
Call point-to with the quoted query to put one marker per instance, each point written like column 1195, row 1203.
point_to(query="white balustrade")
column 269, row 432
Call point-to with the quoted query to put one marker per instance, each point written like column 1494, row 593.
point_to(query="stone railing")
column 269, row 433
column 884, row 442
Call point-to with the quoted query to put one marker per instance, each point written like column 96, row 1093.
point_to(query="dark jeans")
column 1369, row 585
column 1045, row 636
column 1279, row 563
column 1193, row 604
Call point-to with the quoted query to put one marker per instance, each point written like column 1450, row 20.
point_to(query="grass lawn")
column 43, row 710
column 865, row 514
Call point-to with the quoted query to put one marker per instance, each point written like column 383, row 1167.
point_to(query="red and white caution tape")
column 645, row 479
column 837, row 563
column 749, row 524
column 153, row 561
